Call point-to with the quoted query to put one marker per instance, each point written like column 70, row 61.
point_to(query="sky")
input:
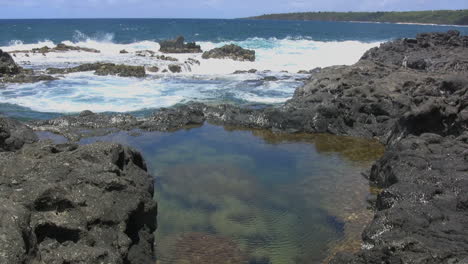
column 204, row 8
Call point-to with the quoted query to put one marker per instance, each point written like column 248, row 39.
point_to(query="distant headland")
column 440, row 17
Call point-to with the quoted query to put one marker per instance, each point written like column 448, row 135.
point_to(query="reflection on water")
column 232, row 196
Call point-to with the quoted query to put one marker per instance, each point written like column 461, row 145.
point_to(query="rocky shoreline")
column 64, row 203
column 411, row 94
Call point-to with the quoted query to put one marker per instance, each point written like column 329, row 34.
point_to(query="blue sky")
column 204, row 8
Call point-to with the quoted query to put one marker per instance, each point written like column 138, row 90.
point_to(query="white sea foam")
column 211, row 80
column 272, row 54
column 80, row 91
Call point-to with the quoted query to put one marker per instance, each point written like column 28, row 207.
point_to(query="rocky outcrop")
column 7, row 64
column 242, row 71
column 421, row 214
column 10, row 72
column 178, row 46
column 103, row 69
column 27, row 78
column 418, row 109
column 75, row 204
column 174, row 68
column 153, row 69
column 59, row 48
column 121, row 70
column 423, row 52
column 13, row 134
column 232, row 52
column 72, row 204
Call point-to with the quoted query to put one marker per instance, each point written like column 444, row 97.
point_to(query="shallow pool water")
column 250, row 196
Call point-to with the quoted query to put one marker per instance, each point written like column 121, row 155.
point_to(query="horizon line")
column 393, row 11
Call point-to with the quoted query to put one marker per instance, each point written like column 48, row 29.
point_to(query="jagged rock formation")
column 73, row 204
column 232, row 52
column 178, row 46
column 7, row 64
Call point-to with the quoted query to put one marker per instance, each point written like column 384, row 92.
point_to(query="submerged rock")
column 178, row 46
column 232, row 52
column 200, row 248
column 270, row 78
column 75, row 204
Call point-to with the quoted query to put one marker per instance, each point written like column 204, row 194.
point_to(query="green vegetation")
column 447, row 17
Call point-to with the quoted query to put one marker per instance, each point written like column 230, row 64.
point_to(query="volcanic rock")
column 178, row 46
column 232, row 52
column 75, row 204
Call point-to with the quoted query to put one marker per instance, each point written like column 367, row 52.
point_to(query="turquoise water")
column 227, row 195
column 279, row 45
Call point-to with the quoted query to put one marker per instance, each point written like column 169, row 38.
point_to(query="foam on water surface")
column 211, row 80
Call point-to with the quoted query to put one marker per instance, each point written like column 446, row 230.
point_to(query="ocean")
column 282, row 49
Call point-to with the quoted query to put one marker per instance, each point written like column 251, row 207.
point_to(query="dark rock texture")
column 14, row 134
column 10, row 72
column 7, row 64
column 75, row 204
column 231, row 51
column 103, row 69
column 27, row 78
column 422, row 214
column 121, row 70
column 59, row 48
column 423, row 53
column 174, row 68
column 178, row 46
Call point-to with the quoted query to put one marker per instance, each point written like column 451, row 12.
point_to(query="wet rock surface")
column 103, row 69
column 59, row 48
column 178, row 45
column 10, row 72
column 27, row 78
column 412, row 95
column 231, row 51
column 73, row 204
column 175, row 68
column 7, row 64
